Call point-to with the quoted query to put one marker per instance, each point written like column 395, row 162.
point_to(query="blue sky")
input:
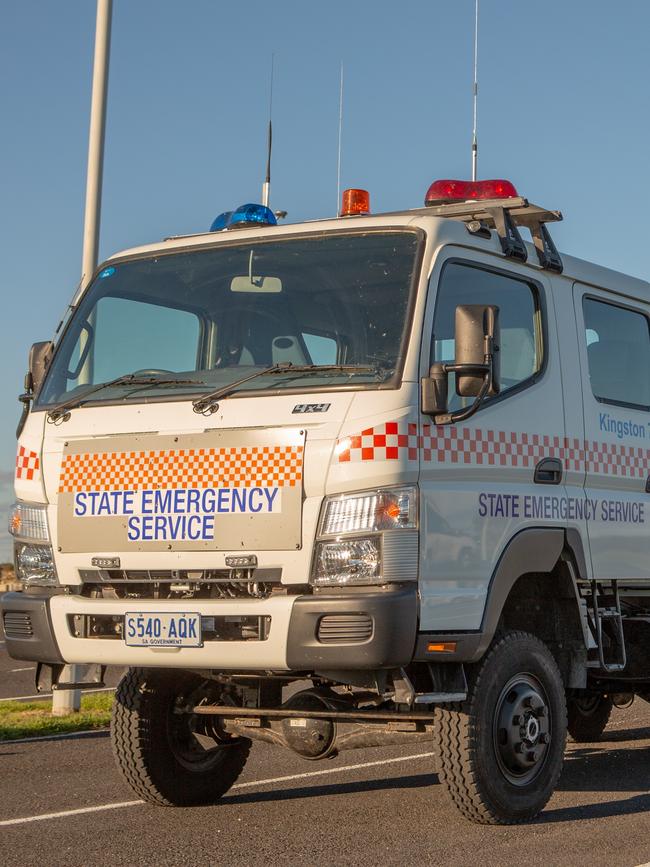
column 563, row 113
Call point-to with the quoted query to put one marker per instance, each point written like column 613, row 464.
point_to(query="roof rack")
column 505, row 215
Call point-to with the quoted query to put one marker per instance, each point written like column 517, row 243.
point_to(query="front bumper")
column 369, row 629
column 28, row 627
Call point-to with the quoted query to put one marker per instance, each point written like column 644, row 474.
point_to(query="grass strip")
column 19, row 719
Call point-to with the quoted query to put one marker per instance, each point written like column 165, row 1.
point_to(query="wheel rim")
column 522, row 729
column 193, row 745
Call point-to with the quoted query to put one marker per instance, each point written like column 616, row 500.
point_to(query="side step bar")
column 607, row 614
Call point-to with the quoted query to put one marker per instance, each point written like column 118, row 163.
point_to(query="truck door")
column 477, row 478
column 614, row 346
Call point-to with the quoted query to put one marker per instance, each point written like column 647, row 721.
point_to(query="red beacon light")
column 444, row 192
column 355, row 202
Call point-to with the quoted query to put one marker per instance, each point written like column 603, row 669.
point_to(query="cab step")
column 606, row 624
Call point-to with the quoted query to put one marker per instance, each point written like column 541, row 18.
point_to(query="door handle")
column 548, row 472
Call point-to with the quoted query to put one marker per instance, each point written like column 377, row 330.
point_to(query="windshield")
column 190, row 322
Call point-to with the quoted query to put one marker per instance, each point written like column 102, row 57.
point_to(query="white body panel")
column 373, row 438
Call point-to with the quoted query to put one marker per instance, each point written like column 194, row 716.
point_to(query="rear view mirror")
column 475, row 325
column 476, row 365
column 267, row 285
column 40, row 356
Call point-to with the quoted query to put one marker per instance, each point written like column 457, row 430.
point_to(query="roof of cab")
column 445, row 229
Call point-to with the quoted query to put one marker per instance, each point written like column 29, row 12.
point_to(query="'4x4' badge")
column 311, row 407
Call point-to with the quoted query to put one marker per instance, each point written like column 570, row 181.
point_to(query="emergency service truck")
column 360, row 481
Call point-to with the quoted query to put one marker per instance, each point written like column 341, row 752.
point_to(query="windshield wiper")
column 208, row 403
column 61, row 412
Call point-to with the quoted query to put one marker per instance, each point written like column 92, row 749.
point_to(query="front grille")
column 255, row 583
column 344, row 628
column 17, row 624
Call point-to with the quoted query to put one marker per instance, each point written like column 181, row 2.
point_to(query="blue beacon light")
column 246, row 215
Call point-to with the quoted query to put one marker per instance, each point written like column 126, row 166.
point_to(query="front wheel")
column 167, row 756
column 501, row 751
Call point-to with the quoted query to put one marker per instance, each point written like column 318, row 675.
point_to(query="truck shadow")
column 414, row 781
column 604, row 770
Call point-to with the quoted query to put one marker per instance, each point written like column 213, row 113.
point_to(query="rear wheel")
column 500, row 752
column 167, row 756
column 588, row 717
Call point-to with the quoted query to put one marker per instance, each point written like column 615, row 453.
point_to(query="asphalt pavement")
column 63, row 802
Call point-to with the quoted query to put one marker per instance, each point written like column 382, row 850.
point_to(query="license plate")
column 162, row 630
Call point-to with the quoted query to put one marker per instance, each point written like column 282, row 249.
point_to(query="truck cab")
column 399, row 457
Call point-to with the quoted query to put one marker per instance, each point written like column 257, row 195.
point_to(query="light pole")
column 67, row 701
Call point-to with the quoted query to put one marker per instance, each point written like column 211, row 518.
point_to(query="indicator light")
column 442, row 647
column 445, row 191
column 355, row 202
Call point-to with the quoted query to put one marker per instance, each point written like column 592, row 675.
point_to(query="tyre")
column 587, row 717
column 500, row 752
column 168, row 757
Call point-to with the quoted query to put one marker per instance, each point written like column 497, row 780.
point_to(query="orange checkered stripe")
column 237, row 467
column 28, row 464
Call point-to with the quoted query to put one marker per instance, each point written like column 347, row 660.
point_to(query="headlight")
column 33, row 555
column 367, row 538
column 35, row 564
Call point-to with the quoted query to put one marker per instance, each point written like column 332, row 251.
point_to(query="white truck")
column 360, row 481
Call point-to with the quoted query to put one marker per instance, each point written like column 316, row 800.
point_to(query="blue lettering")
column 172, row 629
column 192, row 629
column 133, row 529
column 223, row 504
column 179, row 500
column 80, row 505
column 193, row 497
column 146, row 502
column 271, row 494
column 238, row 499
column 259, row 500
column 208, row 503
column 208, row 527
column 147, row 524
column 191, row 522
column 128, row 502
column 162, row 501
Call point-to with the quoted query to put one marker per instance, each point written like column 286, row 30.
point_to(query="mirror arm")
column 26, row 400
column 486, row 369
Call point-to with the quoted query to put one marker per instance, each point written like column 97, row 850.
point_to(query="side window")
column 618, row 353
column 519, row 318
column 322, row 350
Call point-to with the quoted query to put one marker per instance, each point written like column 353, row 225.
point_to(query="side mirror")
column 40, row 356
column 476, row 364
column 476, row 325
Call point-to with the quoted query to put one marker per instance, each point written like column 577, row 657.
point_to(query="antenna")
column 474, row 131
column 338, row 164
column 266, row 186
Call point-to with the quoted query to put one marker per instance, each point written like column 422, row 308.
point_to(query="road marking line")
column 49, row 694
column 116, row 806
column 53, row 737
column 14, row 670
column 65, row 813
column 330, row 771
